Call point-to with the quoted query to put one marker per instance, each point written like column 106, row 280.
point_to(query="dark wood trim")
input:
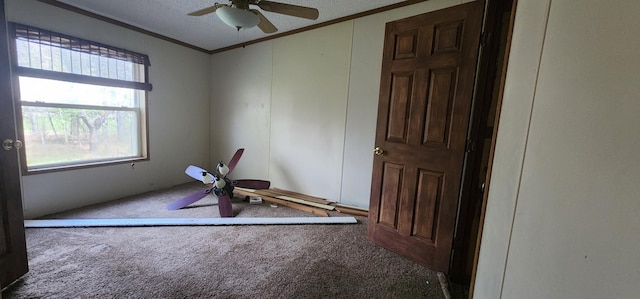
column 483, row 211
column 319, row 25
column 240, row 45
column 489, row 76
column 13, row 254
column 469, row 203
column 121, row 24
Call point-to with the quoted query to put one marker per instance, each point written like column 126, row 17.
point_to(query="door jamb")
column 486, row 75
column 493, row 144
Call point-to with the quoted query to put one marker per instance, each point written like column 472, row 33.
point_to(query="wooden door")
column 13, row 251
column 427, row 81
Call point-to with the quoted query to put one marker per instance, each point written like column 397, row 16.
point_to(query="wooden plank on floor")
column 341, row 205
column 308, row 209
column 302, row 196
column 136, row 222
column 267, row 192
column 308, row 203
column 276, row 193
column 350, row 211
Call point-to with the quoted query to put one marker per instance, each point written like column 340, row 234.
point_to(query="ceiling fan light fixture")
column 237, row 18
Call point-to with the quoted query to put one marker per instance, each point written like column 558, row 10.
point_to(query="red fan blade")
column 224, row 205
column 253, row 184
column 234, row 160
column 187, row 200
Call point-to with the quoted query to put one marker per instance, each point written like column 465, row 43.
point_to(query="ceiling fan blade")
column 195, row 172
column 252, row 184
column 234, row 160
column 205, row 11
column 187, row 200
column 264, row 25
column 289, row 9
column 224, row 205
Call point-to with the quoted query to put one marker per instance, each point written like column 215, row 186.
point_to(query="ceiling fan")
column 219, row 184
column 237, row 14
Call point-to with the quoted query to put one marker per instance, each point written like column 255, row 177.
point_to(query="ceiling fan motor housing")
column 237, row 17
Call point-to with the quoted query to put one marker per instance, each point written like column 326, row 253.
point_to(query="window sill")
column 87, row 165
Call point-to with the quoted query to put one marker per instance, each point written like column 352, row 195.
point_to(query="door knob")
column 9, row 144
column 378, row 151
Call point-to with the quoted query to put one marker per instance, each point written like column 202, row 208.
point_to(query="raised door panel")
column 447, row 37
column 441, row 93
column 391, row 194
column 399, row 104
column 406, row 45
column 428, row 195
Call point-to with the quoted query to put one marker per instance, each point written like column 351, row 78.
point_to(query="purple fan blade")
column 253, row 184
column 224, row 205
column 187, row 200
column 234, row 160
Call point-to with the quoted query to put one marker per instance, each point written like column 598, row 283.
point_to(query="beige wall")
column 308, row 109
column 241, row 108
column 319, row 90
column 178, row 116
column 562, row 215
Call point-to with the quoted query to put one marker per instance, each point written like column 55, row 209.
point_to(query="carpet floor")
column 248, row 261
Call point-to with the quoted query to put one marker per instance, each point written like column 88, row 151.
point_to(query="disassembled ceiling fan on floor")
column 240, row 16
column 218, row 184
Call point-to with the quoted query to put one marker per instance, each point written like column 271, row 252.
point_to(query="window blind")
column 43, row 53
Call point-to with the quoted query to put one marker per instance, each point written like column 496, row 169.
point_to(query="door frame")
column 486, row 75
column 503, row 76
column 13, row 261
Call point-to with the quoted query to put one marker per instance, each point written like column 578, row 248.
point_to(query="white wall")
column 178, row 116
column 310, row 85
column 319, row 90
column 563, row 208
column 241, row 108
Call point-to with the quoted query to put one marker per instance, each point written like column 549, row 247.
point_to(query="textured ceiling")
column 169, row 18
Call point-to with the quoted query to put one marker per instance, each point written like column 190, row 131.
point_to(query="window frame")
column 142, row 110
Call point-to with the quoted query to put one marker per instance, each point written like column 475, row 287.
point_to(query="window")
column 82, row 103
